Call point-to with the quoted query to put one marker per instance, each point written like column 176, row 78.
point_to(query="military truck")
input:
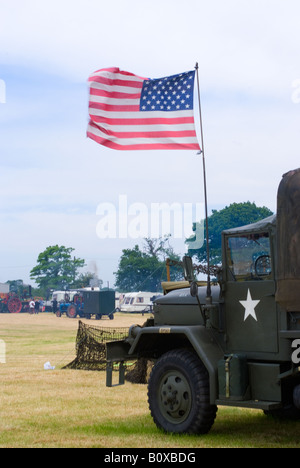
column 230, row 344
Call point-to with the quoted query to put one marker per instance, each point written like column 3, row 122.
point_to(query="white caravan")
column 138, row 302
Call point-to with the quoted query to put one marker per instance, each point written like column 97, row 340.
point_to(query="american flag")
column 128, row 112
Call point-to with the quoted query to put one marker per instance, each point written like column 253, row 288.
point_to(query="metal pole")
column 208, row 290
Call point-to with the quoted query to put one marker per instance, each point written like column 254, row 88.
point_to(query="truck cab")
column 248, row 289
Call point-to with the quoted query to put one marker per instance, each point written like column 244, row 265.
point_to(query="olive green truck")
column 235, row 345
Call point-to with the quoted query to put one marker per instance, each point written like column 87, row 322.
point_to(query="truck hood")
column 183, row 296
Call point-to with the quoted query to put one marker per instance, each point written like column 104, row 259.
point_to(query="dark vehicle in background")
column 87, row 303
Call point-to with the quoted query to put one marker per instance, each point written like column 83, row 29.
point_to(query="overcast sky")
column 53, row 179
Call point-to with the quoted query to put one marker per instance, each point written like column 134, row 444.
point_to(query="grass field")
column 73, row 408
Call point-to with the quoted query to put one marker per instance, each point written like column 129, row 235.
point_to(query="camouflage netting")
column 91, row 354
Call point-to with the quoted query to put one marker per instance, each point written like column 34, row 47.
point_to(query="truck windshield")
column 248, row 257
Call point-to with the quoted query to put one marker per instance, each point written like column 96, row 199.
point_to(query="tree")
column 56, row 269
column 234, row 215
column 85, row 279
column 145, row 270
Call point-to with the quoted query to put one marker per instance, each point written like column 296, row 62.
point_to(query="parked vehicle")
column 138, row 302
column 11, row 303
column 236, row 343
column 87, row 302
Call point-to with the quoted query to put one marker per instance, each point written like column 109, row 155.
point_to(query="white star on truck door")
column 249, row 305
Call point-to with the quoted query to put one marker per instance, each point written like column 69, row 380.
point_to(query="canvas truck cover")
column 288, row 242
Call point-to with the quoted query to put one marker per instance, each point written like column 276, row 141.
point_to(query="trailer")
column 99, row 303
column 138, row 302
column 86, row 303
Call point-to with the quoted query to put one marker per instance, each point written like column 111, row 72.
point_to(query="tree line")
column 142, row 268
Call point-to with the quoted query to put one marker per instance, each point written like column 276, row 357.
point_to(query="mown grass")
column 72, row 408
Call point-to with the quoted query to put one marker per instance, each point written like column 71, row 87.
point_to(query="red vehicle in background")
column 15, row 297
column 10, row 302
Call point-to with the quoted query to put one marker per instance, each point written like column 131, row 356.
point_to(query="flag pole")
column 208, row 290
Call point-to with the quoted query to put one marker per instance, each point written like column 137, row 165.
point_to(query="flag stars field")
column 177, row 87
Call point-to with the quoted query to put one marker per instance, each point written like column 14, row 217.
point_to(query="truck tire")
column 178, row 394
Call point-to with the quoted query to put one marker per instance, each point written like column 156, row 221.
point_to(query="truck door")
column 250, row 307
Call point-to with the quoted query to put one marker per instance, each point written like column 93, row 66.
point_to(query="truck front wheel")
column 178, row 394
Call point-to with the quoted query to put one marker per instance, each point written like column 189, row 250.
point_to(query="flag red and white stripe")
column 118, row 121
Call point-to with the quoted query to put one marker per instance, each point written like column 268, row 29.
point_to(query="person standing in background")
column 31, row 306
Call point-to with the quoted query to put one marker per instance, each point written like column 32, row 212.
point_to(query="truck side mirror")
column 194, row 289
column 188, row 269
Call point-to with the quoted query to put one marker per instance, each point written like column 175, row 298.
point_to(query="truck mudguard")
column 161, row 339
